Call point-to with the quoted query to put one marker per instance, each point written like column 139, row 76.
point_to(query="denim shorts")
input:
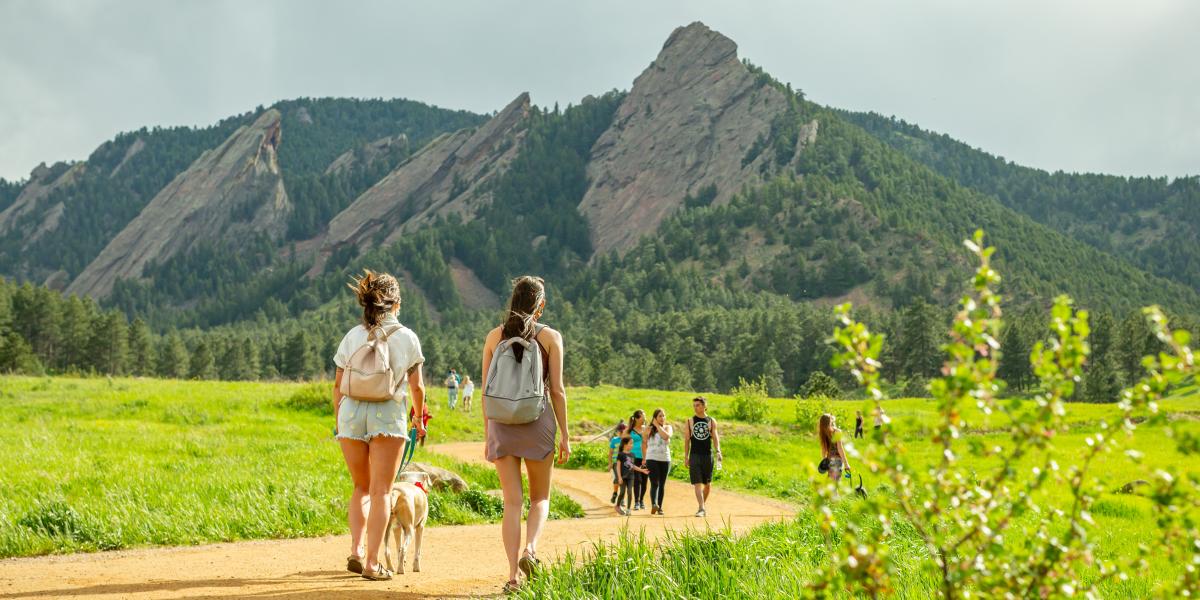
column 364, row 420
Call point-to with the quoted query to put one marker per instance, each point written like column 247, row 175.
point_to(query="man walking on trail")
column 698, row 446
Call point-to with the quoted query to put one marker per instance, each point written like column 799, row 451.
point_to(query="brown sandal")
column 354, row 564
column 381, row 573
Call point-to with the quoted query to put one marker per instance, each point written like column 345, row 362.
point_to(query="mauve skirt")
column 534, row 441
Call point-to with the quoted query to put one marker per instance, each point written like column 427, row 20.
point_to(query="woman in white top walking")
column 372, row 434
column 468, row 390
column 658, row 458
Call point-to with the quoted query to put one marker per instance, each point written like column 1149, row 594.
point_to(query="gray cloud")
column 1081, row 85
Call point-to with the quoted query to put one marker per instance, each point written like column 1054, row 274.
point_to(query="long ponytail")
column 527, row 296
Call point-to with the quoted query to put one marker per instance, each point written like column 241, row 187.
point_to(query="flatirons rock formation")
column 449, row 175
column 229, row 194
column 686, row 124
column 27, row 212
column 367, row 153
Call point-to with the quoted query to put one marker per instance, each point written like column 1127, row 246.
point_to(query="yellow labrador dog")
column 410, row 510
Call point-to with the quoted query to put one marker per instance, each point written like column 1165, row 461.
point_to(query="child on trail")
column 614, row 447
column 467, row 391
column 627, row 470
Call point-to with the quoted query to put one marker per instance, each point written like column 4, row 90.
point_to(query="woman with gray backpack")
column 524, row 405
column 374, row 361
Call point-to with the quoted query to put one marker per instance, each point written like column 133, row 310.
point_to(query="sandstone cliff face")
column 687, row 123
column 27, row 213
column 367, row 153
column 229, row 194
column 448, row 175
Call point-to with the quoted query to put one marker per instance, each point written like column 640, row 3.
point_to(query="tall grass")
column 96, row 464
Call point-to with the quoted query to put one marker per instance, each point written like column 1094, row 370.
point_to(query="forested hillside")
column 733, row 280
column 1153, row 222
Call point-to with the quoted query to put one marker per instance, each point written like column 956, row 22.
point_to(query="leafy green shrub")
column 820, row 384
column 314, row 397
column 964, row 516
column 750, row 401
column 809, row 411
column 588, row 456
column 916, row 387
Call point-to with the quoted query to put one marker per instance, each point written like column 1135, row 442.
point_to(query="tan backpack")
column 368, row 375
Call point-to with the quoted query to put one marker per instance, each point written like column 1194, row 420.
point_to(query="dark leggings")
column 626, row 495
column 658, row 480
column 639, row 487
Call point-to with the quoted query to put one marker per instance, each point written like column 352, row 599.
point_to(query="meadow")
column 102, row 464
column 96, row 464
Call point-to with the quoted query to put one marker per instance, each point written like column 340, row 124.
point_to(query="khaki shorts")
column 364, row 420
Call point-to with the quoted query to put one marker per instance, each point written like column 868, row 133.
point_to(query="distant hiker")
column 702, row 439
column 658, row 458
column 369, row 404
column 614, row 448
column 520, row 427
column 833, row 454
column 425, row 417
column 627, row 472
column 637, row 433
column 878, row 417
column 468, row 390
column 452, row 388
column 858, row 424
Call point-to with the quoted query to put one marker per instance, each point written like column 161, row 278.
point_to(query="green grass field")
column 97, row 464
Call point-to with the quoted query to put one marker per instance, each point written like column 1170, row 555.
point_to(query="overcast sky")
column 1086, row 85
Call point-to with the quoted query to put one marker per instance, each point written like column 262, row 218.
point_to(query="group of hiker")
column 524, row 410
column 639, row 457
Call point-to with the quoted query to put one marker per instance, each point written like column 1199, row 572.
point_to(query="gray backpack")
column 515, row 393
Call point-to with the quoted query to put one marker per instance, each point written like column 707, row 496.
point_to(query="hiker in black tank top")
column 698, row 449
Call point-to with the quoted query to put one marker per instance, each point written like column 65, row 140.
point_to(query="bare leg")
column 385, row 459
column 700, row 496
column 355, row 453
column 508, row 468
column 539, row 500
column 707, row 489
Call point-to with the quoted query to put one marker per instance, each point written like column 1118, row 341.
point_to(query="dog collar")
column 421, row 486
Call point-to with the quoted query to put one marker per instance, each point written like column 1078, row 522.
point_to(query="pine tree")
column 772, row 376
column 172, row 357
column 201, row 363
column 299, row 360
column 918, row 346
column 1015, row 367
column 1102, row 380
column 16, row 356
column 141, row 349
column 109, row 343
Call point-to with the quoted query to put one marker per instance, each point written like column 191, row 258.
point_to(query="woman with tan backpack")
column 374, row 361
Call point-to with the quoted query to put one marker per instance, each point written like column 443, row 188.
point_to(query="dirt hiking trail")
column 458, row 561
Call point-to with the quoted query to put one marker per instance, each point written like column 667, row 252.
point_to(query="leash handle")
column 409, row 449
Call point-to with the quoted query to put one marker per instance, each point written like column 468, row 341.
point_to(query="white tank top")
column 658, row 448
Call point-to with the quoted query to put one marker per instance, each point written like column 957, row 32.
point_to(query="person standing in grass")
column 452, row 388
column 372, row 435
column 878, row 418
column 614, row 448
column 698, row 447
column 507, row 445
column 658, row 458
column 858, row 424
column 468, row 390
column 831, row 447
column 637, row 433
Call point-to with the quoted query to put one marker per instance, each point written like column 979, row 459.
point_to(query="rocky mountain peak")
column 230, row 194
column 448, row 175
column 685, row 126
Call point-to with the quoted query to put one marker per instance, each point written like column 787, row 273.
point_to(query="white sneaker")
column 700, row 513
